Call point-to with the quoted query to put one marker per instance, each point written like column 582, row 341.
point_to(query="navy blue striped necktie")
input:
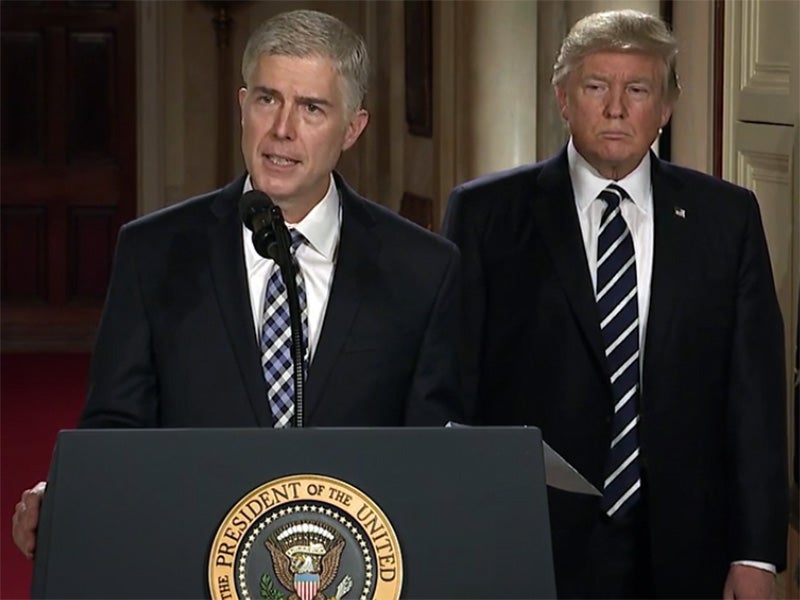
column 619, row 322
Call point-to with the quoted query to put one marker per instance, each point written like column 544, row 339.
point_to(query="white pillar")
column 495, row 99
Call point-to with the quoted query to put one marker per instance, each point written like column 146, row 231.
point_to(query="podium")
column 164, row 513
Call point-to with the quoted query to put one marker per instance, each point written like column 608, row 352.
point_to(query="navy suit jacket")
column 712, row 430
column 176, row 345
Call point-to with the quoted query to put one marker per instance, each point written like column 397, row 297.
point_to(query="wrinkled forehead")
column 615, row 64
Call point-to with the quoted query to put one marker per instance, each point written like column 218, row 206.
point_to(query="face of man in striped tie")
column 615, row 104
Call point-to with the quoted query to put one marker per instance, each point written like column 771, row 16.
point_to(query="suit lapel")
column 557, row 221
column 355, row 265
column 671, row 251
column 233, row 296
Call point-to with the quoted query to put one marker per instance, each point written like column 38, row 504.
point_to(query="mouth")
column 613, row 135
column 280, row 161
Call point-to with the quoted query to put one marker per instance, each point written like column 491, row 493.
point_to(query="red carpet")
column 39, row 395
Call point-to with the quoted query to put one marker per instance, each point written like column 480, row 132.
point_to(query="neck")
column 614, row 172
column 294, row 212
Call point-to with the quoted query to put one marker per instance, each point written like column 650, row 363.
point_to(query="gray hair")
column 622, row 31
column 305, row 33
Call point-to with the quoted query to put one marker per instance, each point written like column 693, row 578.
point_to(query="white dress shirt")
column 587, row 184
column 316, row 258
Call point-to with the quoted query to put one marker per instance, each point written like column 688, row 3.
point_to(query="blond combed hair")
column 620, row 31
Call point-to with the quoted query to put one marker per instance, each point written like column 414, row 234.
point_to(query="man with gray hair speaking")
column 626, row 307
column 195, row 326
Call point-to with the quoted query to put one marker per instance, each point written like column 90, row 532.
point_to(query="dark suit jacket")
column 712, row 430
column 177, row 347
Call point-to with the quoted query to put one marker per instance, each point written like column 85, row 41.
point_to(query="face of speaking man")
column 295, row 125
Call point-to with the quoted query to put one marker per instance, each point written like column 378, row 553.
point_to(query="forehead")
column 626, row 65
column 307, row 72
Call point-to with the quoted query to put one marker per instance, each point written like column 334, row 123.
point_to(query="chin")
column 616, row 156
column 268, row 185
column 616, row 161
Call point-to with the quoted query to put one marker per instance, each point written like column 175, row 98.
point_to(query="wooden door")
column 68, row 164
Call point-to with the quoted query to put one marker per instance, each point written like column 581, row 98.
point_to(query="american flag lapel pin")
column 679, row 212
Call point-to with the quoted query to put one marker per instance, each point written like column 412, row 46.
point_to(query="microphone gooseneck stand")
column 271, row 239
column 288, row 272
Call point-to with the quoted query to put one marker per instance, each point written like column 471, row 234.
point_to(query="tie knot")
column 297, row 239
column 612, row 195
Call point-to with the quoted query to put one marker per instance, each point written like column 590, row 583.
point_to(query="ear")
column 242, row 98
column 562, row 100
column 666, row 113
column 357, row 124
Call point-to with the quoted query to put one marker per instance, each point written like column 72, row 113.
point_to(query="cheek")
column 252, row 130
column 583, row 122
column 328, row 143
column 651, row 115
column 585, row 111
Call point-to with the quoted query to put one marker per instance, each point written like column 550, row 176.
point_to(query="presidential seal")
column 305, row 537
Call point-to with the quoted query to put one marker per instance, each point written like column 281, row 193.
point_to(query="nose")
column 283, row 127
column 615, row 107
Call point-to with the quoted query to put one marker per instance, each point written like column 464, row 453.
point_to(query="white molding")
column 445, row 100
column 730, row 98
column 150, row 107
column 171, row 92
column 692, row 122
column 766, row 48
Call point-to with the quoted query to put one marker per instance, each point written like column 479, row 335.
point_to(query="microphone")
column 260, row 215
column 271, row 239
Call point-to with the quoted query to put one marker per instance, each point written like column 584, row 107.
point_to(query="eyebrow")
column 606, row 78
column 312, row 100
column 299, row 99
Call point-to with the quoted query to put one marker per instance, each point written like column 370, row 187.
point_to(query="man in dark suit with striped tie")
column 626, row 307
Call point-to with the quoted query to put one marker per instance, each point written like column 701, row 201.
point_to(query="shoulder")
column 187, row 215
column 719, row 204
column 393, row 230
column 398, row 254
column 398, row 232
column 506, row 181
column 702, row 185
column 174, row 215
column 510, row 191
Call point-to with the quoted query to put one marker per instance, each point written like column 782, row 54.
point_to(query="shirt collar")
column 320, row 226
column 587, row 183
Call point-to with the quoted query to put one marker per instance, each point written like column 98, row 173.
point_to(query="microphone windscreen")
column 251, row 204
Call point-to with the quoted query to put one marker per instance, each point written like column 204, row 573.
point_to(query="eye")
column 639, row 90
column 265, row 99
column 593, row 87
column 313, row 108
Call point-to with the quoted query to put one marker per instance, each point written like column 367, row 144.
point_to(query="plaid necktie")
column 276, row 340
column 619, row 322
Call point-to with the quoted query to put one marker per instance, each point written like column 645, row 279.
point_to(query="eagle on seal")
column 308, row 570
